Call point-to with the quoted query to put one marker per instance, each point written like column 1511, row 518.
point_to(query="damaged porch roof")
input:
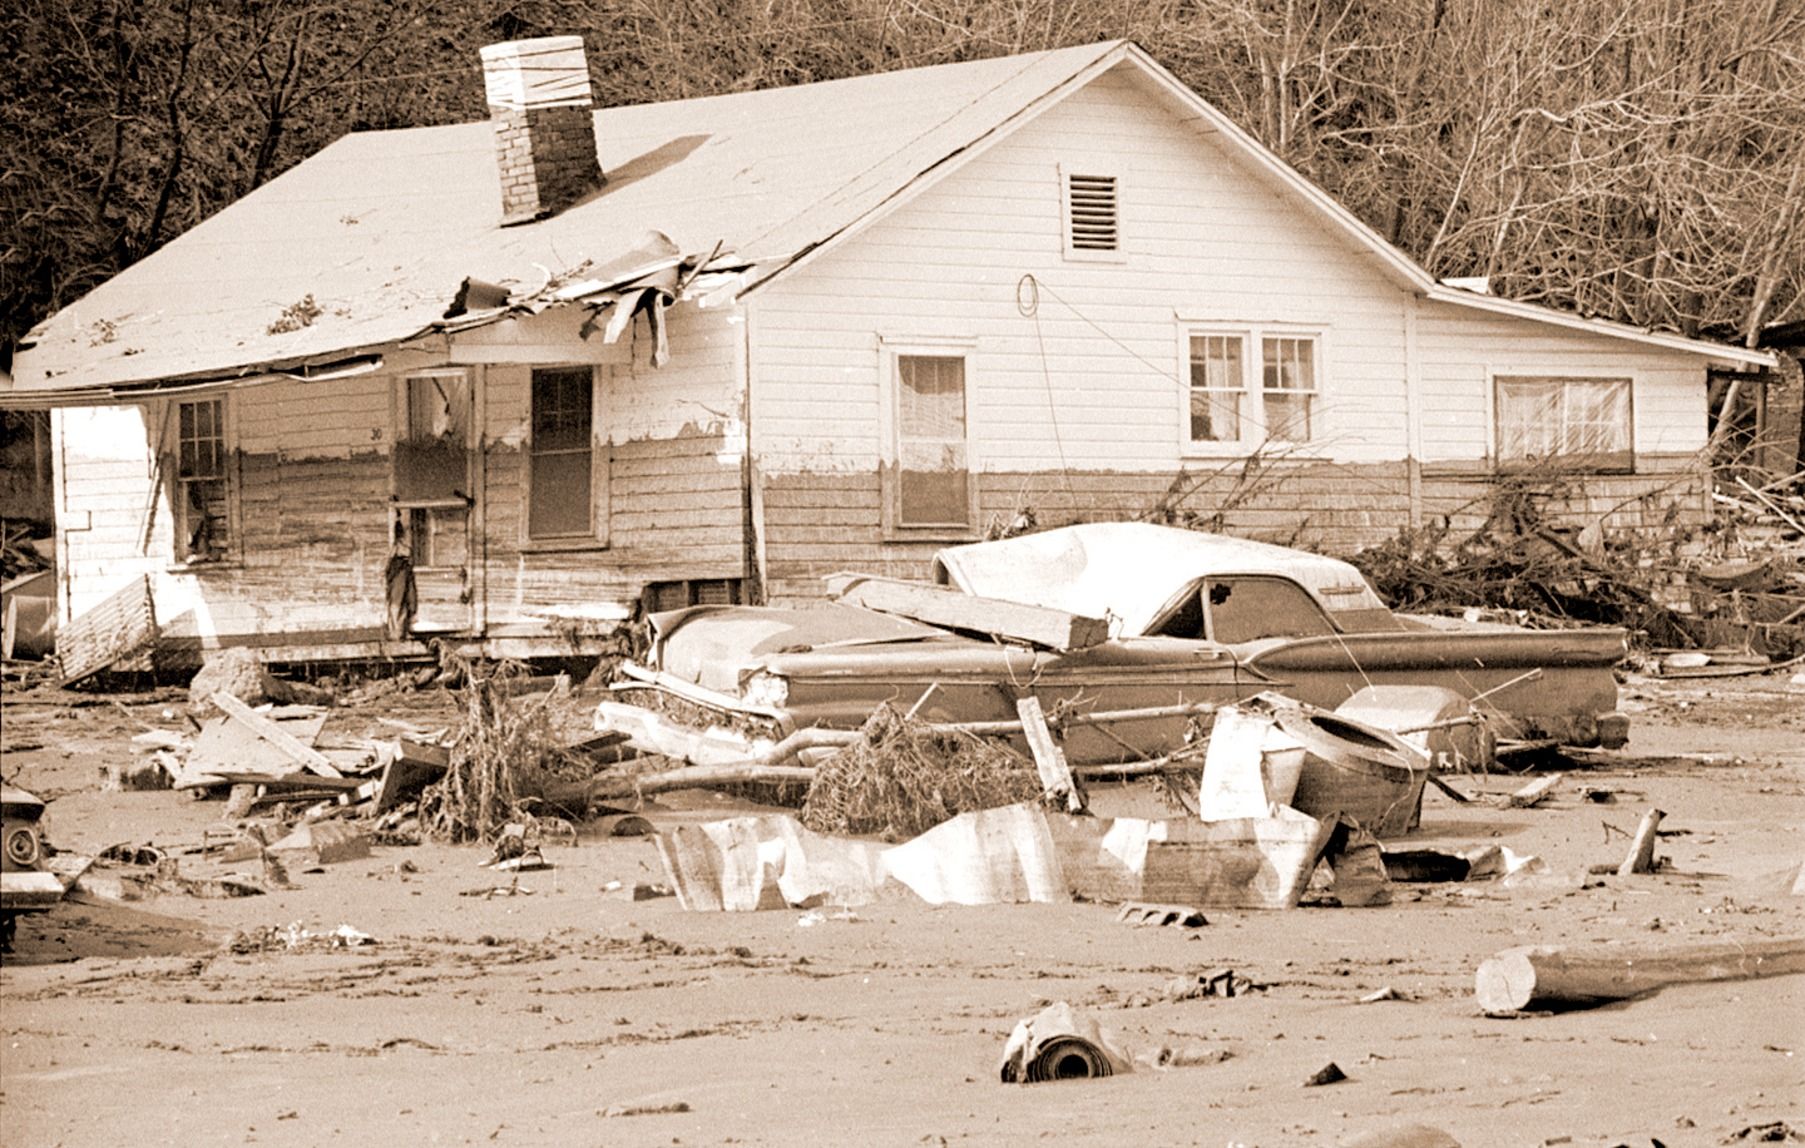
column 369, row 241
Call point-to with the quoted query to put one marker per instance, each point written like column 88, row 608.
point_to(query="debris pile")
column 1738, row 580
column 904, row 776
column 503, row 758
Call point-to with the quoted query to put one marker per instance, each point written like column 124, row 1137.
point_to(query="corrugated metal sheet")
column 380, row 229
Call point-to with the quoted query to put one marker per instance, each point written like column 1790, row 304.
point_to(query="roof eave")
column 1535, row 312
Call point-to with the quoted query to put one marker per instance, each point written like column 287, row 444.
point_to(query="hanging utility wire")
column 1027, row 301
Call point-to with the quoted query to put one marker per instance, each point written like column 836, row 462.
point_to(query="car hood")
column 716, row 646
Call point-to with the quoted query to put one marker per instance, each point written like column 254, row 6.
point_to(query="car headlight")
column 22, row 846
column 764, row 688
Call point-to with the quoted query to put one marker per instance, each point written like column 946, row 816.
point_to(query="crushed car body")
column 1186, row 617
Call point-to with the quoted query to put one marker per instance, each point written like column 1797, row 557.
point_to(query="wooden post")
column 1049, row 760
column 1546, row 977
column 1642, row 852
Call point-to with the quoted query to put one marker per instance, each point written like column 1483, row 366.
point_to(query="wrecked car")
column 24, row 885
column 1179, row 617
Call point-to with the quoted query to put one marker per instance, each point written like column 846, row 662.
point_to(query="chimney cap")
column 547, row 72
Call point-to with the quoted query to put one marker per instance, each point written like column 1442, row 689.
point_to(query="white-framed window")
column 1246, row 386
column 929, row 485
column 1090, row 214
column 1576, row 421
column 566, row 483
column 202, row 475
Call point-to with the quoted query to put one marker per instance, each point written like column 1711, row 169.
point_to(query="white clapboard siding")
column 1200, row 240
column 1461, row 350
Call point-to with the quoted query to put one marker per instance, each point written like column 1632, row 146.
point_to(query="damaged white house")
column 571, row 360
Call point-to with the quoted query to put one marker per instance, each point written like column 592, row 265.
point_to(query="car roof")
column 1130, row 572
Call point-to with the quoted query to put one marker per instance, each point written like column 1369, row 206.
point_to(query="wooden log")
column 692, row 776
column 1049, row 760
column 307, row 756
column 955, row 609
column 1546, row 977
column 1534, row 792
column 1641, row 858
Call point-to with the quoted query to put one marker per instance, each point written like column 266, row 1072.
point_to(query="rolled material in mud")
column 1544, row 977
column 1059, row 1044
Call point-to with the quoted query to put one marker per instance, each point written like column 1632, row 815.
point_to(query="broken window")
column 1093, row 215
column 1227, row 402
column 1288, row 386
column 933, row 475
column 561, row 492
column 1248, row 609
column 202, row 485
column 432, row 458
column 1583, row 422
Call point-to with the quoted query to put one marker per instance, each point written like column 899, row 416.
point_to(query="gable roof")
column 370, row 239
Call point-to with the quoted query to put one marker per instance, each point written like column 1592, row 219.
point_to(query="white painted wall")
column 1204, row 240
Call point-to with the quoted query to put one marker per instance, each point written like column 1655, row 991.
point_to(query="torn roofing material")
column 372, row 240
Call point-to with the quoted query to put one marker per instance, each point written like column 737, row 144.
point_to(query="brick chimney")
column 539, row 103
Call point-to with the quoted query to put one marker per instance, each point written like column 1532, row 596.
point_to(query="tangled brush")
column 503, row 755
column 903, row 777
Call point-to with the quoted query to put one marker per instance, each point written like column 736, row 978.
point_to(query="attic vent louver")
column 1093, row 212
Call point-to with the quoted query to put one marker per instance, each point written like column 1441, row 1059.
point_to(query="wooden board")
column 224, row 747
column 121, row 632
column 1049, row 760
column 303, row 754
column 955, row 609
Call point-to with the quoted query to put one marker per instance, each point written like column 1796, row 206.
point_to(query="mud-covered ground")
column 563, row 1015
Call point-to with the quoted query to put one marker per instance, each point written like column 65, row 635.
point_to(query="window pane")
column 1288, row 416
column 438, row 409
column 1288, row 380
column 560, row 495
column 1245, row 610
column 933, row 479
column 933, row 397
column 561, row 408
column 934, row 483
column 1215, row 416
column 1544, row 417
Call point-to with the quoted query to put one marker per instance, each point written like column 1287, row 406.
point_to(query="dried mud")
column 563, row 1015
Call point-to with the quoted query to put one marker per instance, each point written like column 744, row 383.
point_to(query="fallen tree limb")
column 1545, row 977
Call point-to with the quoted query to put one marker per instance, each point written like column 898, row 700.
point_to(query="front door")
column 434, row 517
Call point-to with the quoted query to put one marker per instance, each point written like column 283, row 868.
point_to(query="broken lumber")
column 1547, row 977
column 691, row 776
column 1049, row 760
column 1532, row 793
column 957, row 610
column 304, row 755
column 1641, row 858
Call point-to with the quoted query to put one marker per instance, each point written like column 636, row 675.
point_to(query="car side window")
column 1248, row 609
column 1186, row 621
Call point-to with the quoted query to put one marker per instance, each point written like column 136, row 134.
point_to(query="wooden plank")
column 940, row 606
column 1540, row 976
column 1049, row 760
column 1534, row 792
column 120, row 628
column 269, row 731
